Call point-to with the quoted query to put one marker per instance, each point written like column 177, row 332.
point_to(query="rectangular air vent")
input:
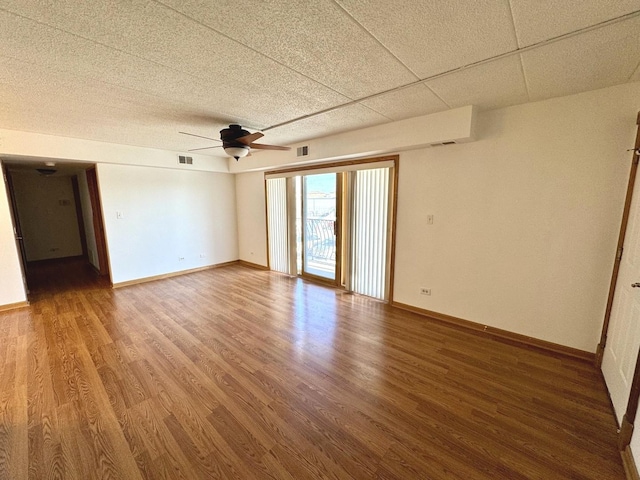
column 303, row 151
column 185, row 160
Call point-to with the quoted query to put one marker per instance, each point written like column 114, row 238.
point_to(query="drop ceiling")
column 137, row 72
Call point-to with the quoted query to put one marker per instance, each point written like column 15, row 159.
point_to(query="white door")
column 623, row 338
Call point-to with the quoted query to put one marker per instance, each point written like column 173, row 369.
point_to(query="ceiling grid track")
column 485, row 61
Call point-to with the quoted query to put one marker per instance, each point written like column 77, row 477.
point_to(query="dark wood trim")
column 498, row 333
column 346, row 163
column 13, row 306
column 630, row 468
column 619, row 249
column 98, row 221
column 171, row 274
column 394, row 223
column 253, row 265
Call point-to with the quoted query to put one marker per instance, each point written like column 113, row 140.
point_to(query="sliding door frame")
column 340, row 221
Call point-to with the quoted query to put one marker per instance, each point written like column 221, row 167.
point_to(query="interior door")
column 98, row 224
column 17, row 229
column 320, row 216
column 621, row 351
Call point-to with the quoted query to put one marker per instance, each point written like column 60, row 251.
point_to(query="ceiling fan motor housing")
column 230, row 135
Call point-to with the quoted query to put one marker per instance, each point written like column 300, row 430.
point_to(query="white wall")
column 166, row 215
column 526, row 218
column 11, row 285
column 47, row 211
column 252, row 240
column 87, row 218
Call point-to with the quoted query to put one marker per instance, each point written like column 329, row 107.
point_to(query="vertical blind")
column 277, row 224
column 370, row 217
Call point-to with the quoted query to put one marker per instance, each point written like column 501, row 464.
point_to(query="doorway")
column 53, row 215
column 317, row 224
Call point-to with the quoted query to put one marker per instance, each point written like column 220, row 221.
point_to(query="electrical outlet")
column 425, row 291
column 202, row 255
column 180, row 259
column 429, row 219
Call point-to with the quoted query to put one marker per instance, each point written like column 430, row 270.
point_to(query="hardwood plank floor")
column 236, row 373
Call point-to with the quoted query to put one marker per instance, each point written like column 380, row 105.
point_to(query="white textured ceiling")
column 139, row 71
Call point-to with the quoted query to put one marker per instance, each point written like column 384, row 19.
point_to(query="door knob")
column 635, row 285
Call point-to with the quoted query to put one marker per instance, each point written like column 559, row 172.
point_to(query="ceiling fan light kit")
column 237, row 152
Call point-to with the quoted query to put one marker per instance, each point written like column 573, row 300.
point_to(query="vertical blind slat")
column 277, row 224
column 370, row 232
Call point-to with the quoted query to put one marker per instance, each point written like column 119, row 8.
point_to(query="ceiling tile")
column 149, row 48
column 437, row 36
column 544, row 19
column 491, row 85
column 19, row 111
column 595, row 59
column 315, row 38
column 406, row 103
column 351, row 117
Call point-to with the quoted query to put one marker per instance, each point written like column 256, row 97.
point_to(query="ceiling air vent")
column 185, row 160
column 302, row 151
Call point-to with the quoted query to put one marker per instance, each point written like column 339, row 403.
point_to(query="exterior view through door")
column 334, row 224
column 316, row 228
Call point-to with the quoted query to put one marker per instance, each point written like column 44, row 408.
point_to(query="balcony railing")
column 320, row 239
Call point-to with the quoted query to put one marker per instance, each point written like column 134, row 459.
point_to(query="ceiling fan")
column 237, row 142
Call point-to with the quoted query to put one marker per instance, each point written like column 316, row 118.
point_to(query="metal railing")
column 320, row 240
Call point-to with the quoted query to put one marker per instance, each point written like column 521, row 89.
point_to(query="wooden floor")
column 240, row 373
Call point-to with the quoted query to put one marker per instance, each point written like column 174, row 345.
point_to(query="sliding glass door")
column 319, row 225
column 334, row 226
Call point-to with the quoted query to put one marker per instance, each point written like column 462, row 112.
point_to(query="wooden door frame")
column 17, row 228
column 337, row 279
column 98, row 221
column 626, row 427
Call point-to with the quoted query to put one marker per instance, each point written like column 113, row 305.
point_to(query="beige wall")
column 525, row 219
column 160, row 221
column 47, row 210
column 252, row 241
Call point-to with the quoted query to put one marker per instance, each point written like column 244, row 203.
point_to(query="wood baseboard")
column 252, row 265
column 630, row 469
column 13, row 306
column 171, row 274
column 498, row 333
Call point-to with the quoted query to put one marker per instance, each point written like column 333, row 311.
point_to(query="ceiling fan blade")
column 204, row 148
column 262, row 146
column 200, row 136
column 247, row 139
